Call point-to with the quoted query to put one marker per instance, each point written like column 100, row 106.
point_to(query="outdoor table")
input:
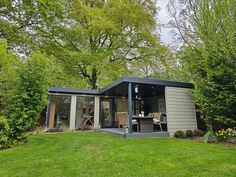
column 145, row 123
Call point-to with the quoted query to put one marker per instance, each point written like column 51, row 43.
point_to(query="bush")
column 234, row 132
column 4, row 133
column 179, row 134
column 198, row 133
column 209, row 137
column 224, row 135
column 189, row 133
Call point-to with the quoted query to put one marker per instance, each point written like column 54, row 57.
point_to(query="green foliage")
column 211, row 62
column 224, row 135
column 8, row 80
column 189, row 133
column 160, row 66
column 30, row 96
column 4, row 133
column 96, row 40
column 23, row 92
column 34, row 83
column 179, row 134
column 198, row 133
column 209, row 137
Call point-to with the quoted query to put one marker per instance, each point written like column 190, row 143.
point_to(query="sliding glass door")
column 59, row 111
column 107, row 114
column 84, row 111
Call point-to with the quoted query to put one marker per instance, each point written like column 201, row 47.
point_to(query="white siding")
column 72, row 112
column 181, row 114
column 96, row 111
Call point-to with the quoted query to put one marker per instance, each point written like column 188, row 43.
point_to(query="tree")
column 104, row 33
column 23, row 92
column 93, row 38
column 31, row 92
column 9, row 63
column 159, row 67
column 210, row 60
column 29, row 96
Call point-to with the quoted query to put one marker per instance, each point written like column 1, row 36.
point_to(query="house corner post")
column 48, row 111
column 96, row 111
column 130, row 106
column 72, row 112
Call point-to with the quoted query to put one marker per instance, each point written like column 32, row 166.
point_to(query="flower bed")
column 224, row 135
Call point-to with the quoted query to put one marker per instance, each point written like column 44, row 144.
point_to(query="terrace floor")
column 120, row 132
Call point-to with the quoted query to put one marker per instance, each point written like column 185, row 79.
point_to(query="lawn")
column 93, row 154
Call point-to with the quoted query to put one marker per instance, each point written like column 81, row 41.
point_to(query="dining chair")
column 159, row 118
column 163, row 119
column 123, row 120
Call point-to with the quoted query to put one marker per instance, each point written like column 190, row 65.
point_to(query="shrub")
column 234, row 132
column 179, row 134
column 28, row 98
column 209, row 137
column 189, row 133
column 4, row 133
column 198, row 133
column 224, row 135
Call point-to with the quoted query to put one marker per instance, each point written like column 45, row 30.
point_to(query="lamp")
column 136, row 89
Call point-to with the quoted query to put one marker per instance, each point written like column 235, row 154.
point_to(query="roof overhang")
column 120, row 84
column 137, row 80
column 73, row 91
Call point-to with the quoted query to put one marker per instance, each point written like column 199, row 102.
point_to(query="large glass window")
column 137, row 106
column 59, row 111
column 84, row 111
column 107, row 112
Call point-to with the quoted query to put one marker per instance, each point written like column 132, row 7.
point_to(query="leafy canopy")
column 211, row 60
column 92, row 39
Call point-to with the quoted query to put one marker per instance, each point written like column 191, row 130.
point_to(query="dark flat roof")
column 135, row 80
column 73, row 91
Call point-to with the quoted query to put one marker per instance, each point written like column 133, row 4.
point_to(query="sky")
column 163, row 18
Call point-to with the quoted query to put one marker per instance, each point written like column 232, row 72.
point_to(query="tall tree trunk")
column 93, row 78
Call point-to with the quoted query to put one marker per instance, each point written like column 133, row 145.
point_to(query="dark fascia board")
column 72, row 91
column 137, row 80
column 111, row 85
column 158, row 82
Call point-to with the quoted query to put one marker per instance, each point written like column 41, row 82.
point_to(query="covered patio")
column 134, row 106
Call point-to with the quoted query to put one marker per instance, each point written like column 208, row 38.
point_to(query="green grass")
column 99, row 154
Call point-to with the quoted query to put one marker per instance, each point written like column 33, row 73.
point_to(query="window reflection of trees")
column 62, row 112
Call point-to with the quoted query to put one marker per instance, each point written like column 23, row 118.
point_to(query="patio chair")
column 163, row 119
column 159, row 118
column 156, row 119
column 123, row 120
